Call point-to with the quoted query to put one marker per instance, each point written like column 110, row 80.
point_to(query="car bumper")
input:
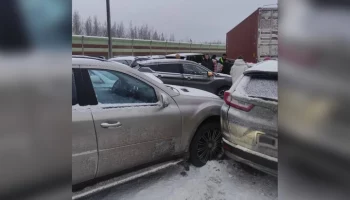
column 254, row 159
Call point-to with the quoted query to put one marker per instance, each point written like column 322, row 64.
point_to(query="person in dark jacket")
column 226, row 66
column 208, row 63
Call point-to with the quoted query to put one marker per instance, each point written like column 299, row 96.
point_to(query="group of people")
column 224, row 66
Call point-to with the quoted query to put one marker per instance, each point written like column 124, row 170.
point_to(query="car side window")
column 171, row 68
column 153, row 67
column 199, row 58
column 193, row 69
column 113, row 87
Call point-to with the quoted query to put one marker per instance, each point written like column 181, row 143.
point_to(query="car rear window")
column 263, row 87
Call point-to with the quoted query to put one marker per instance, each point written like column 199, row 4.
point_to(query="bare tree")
column 96, row 28
column 132, row 31
column 114, row 30
column 136, row 34
column 155, row 36
column 172, row 37
column 77, row 27
column 144, row 32
column 120, row 30
column 104, row 30
column 162, row 38
column 88, row 26
column 92, row 26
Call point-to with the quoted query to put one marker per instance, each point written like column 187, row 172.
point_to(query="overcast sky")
column 199, row 20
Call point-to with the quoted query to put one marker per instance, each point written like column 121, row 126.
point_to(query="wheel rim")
column 221, row 93
column 209, row 145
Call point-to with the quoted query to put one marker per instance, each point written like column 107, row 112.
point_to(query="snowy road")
column 218, row 180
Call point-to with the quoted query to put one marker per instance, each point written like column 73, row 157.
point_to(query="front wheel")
column 222, row 91
column 206, row 144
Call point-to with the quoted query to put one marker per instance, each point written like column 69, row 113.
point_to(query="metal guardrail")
column 98, row 46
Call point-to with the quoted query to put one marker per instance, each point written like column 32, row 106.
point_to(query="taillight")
column 234, row 103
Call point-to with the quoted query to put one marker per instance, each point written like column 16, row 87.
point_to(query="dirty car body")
column 187, row 73
column 122, row 118
column 249, row 118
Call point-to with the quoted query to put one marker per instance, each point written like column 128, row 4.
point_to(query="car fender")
column 194, row 114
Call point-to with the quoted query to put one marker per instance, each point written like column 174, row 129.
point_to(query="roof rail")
column 88, row 57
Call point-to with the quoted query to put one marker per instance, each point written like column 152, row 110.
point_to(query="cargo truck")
column 256, row 37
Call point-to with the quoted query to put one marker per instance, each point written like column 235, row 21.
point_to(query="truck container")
column 256, row 37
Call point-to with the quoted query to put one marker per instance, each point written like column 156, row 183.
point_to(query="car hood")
column 193, row 92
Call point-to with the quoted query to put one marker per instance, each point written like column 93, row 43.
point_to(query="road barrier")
column 98, row 46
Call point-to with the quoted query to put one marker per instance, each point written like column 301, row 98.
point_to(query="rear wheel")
column 221, row 91
column 206, row 144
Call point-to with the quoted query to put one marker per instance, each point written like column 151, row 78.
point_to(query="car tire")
column 221, row 91
column 206, row 144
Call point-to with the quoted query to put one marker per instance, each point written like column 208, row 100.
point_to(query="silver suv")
column 249, row 118
column 124, row 119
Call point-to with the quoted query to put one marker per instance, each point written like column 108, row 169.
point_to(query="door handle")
column 159, row 76
column 188, row 77
column 108, row 125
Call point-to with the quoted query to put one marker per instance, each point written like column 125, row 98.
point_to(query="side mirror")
column 164, row 100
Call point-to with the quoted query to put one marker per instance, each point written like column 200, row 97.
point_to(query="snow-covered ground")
column 218, row 180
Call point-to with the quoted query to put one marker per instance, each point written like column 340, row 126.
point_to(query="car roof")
column 123, row 58
column 85, row 60
column 269, row 66
column 186, row 54
column 165, row 61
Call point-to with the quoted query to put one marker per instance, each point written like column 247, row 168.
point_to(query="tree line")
column 93, row 27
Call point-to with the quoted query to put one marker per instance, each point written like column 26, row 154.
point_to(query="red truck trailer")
column 256, row 37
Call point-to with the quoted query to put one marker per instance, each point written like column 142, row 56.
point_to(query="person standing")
column 208, row 63
column 225, row 65
column 215, row 63
column 238, row 68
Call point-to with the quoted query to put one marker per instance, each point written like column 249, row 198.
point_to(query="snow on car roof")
column 265, row 66
column 152, row 61
column 185, row 54
column 123, row 58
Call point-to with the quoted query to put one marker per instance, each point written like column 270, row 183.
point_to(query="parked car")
column 139, row 59
column 126, row 60
column 249, row 118
column 122, row 118
column 187, row 73
column 196, row 57
column 157, row 57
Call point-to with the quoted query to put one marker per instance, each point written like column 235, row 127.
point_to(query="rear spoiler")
column 260, row 73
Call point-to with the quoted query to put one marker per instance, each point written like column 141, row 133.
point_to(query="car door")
column 196, row 77
column 132, row 126
column 84, row 144
column 170, row 73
